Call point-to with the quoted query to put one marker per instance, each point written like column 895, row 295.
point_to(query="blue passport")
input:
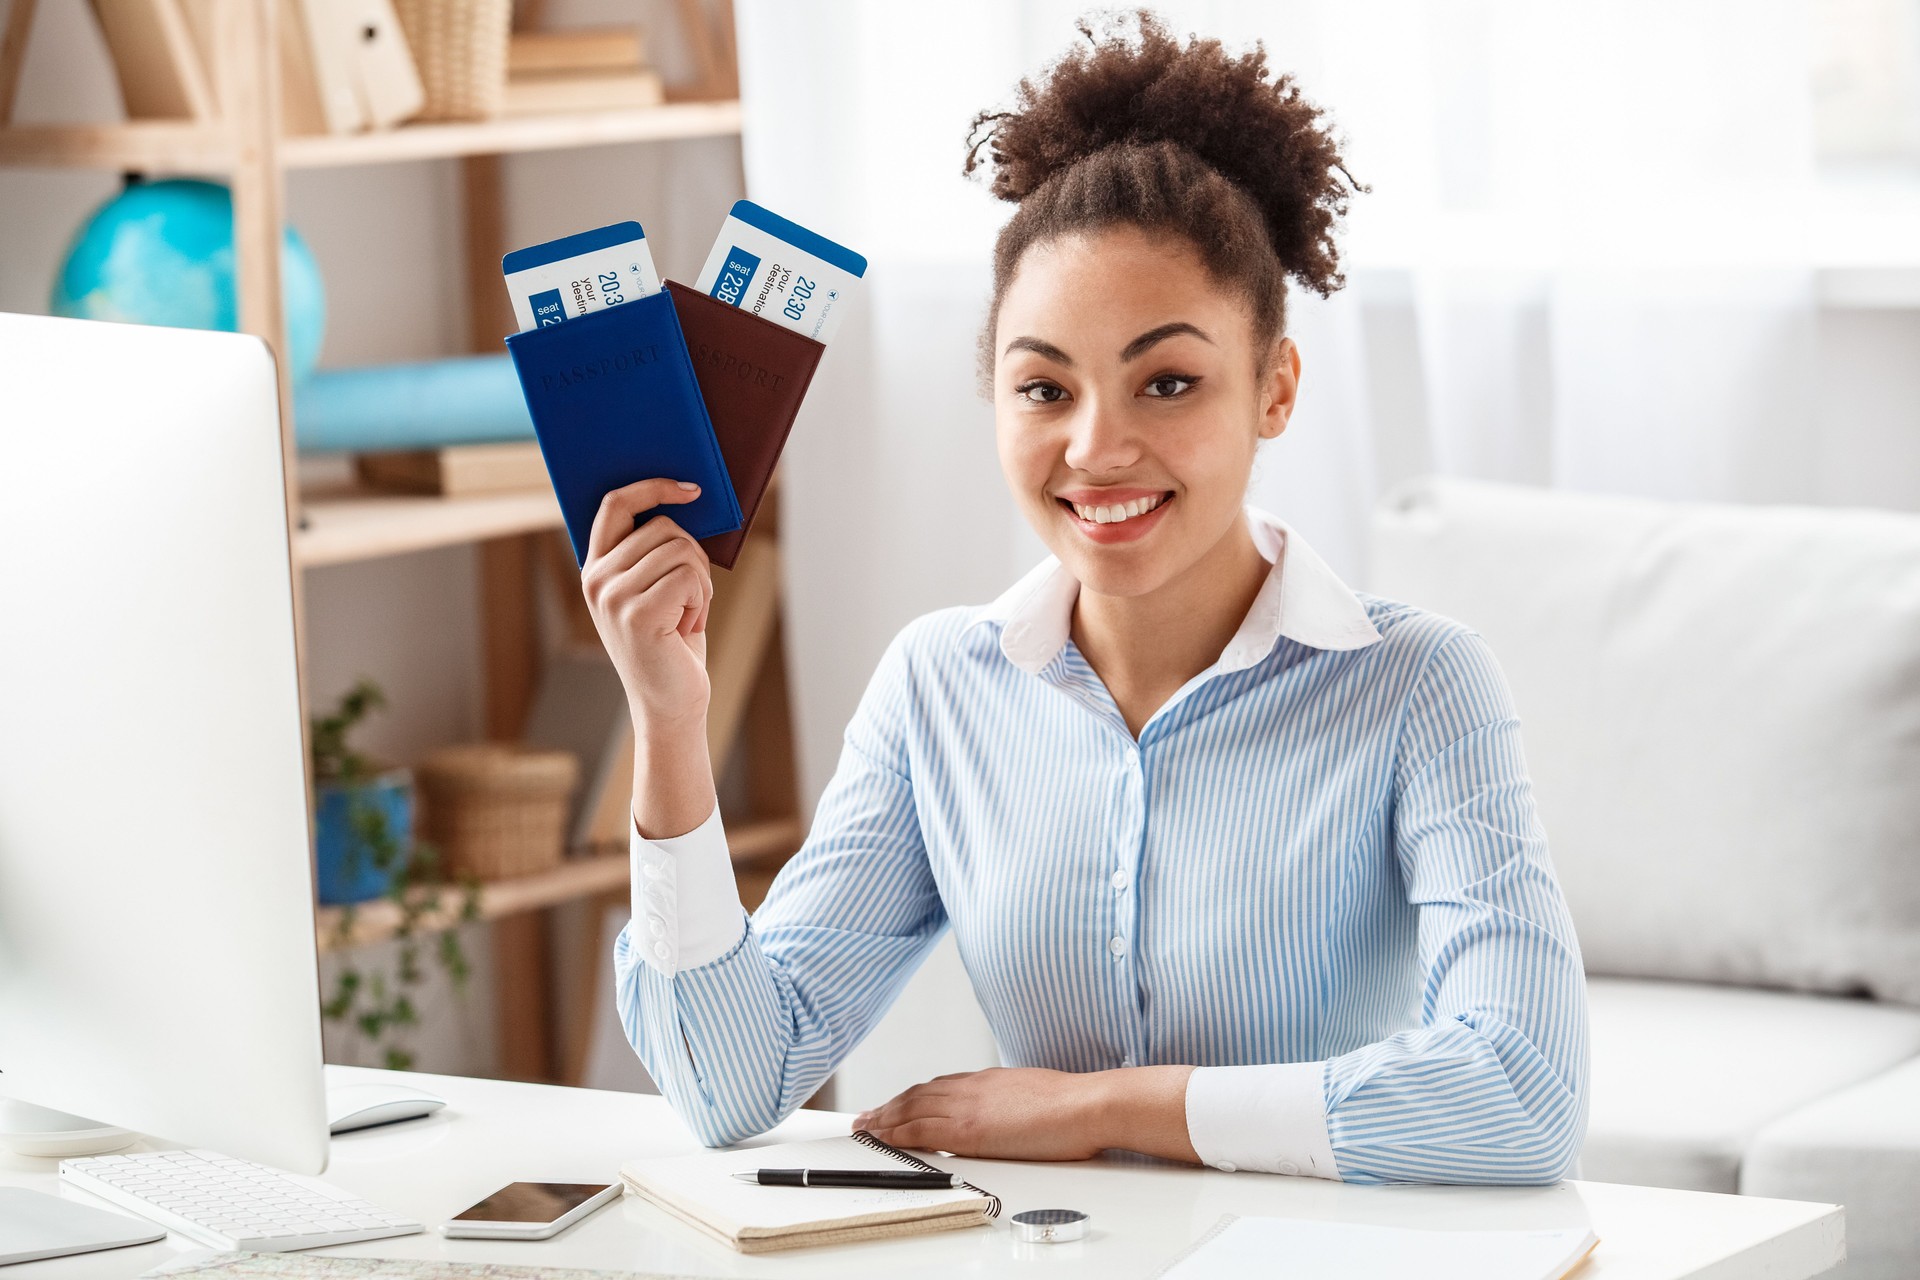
column 613, row 400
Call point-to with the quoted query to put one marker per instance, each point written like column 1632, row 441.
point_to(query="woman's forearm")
column 1143, row 1109
column 1032, row 1113
column 673, row 788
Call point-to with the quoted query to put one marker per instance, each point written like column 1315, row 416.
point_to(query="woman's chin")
column 1132, row 572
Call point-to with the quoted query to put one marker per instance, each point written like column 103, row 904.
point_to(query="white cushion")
column 1685, row 1074
column 1861, row 1148
column 1721, row 711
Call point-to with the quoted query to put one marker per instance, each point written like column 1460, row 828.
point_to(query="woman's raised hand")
column 649, row 590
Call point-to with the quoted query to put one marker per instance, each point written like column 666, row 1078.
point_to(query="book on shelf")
column 512, row 466
column 585, row 49
column 550, row 92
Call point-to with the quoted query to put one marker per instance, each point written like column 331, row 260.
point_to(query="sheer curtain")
column 1584, row 262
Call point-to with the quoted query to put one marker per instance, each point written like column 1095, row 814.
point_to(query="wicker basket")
column 460, row 48
column 497, row 810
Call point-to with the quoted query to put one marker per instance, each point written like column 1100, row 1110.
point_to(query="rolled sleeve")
column 686, row 903
column 1266, row 1118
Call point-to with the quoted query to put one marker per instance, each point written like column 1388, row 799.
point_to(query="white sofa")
column 1721, row 710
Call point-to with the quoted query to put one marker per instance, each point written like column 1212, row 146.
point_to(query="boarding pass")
column 781, row 271
column 566, row 278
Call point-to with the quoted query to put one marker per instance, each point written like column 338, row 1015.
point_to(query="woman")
column 1243, row 866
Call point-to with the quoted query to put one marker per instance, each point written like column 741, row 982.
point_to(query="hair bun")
column 1137, row 84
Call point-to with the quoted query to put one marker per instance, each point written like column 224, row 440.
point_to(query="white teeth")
column 1116, row 513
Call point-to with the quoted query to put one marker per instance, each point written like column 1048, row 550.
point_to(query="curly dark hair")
column 1140, row 130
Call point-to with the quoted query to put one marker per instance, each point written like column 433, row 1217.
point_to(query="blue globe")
column 162, row 253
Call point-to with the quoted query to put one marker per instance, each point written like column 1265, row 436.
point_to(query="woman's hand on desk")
column 649, row 590
column 1028, row 1113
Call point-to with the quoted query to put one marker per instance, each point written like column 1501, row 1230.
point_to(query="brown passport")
column 752, row 374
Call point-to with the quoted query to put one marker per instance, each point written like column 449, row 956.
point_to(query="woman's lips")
column 1129, row 530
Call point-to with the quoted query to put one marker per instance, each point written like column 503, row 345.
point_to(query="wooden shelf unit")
column 342, row 526
column 168, row 147
column 245, row 145
column 757, row 848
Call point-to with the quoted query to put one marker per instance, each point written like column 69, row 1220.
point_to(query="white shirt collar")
column 1302, row 599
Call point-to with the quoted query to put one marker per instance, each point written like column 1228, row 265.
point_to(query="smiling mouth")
column 1116, row 513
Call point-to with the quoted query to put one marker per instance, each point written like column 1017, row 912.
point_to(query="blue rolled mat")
column 465, row 400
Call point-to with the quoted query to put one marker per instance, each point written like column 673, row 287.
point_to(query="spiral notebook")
column 701, row 1191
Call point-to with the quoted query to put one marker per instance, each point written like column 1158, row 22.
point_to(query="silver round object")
column 1049, row 1226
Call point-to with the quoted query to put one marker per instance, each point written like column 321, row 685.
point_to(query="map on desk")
column 302, row 1266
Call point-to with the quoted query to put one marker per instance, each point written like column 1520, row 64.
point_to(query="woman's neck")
column 1144, row 648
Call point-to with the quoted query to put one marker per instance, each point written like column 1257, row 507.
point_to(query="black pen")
column 879, row 1179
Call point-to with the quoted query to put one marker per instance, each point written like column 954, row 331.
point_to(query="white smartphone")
column 529, row 1210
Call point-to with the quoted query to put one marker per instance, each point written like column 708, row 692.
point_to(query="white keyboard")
column 226, row 1203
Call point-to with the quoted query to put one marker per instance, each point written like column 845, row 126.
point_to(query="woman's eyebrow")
column 1160, row 334
column 1039, row 347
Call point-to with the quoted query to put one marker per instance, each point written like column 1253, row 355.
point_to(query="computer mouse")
column 361, row 1106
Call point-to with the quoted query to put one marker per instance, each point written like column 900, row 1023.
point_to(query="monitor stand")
column 39, row 1131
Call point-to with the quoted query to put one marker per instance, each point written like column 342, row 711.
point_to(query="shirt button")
column 1226, row 1166
column 1133, row 755
column 1126, row 1062
column 1288, row 1166
column 650, row 871
column 1120, row 878
column 1117, row 945
column 660, row 950
column 657, row 925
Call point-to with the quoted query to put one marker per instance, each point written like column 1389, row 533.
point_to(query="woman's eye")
column 1041, row 393
column 1169, row 385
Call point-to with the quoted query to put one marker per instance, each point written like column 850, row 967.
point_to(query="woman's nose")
column 1100, row 440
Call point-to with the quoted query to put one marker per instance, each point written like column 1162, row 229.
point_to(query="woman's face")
column 1126, row 406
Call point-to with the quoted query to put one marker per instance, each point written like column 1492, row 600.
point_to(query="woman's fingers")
column 613, row 574
column 647, row 588
column 634, row 564
column 932, row 1134
column 916, row 1103
column 1012, row 1113
column 614, row 519
column 665, row 591
column 601, row 572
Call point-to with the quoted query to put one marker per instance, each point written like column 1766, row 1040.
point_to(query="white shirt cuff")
column 1271, row 1118
column 686, row 904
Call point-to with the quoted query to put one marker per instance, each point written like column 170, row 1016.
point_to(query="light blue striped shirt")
column 1317, row 876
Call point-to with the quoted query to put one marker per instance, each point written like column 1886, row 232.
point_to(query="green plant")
column 384, row 1010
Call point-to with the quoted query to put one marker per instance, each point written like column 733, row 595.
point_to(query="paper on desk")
column 1358, row 1251
column 307, row 1266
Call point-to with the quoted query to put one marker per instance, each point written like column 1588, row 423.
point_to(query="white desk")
column 1143, row 1213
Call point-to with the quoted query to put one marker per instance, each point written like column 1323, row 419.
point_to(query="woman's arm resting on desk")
column 1490, row 1087
column 1029, row 1113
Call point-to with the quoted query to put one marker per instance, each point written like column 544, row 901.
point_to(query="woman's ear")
column 1280, row 389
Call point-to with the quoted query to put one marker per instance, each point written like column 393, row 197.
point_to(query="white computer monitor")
column 157, row 960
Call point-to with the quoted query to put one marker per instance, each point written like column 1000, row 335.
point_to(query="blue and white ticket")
column 781, row 271
column 575, row 274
